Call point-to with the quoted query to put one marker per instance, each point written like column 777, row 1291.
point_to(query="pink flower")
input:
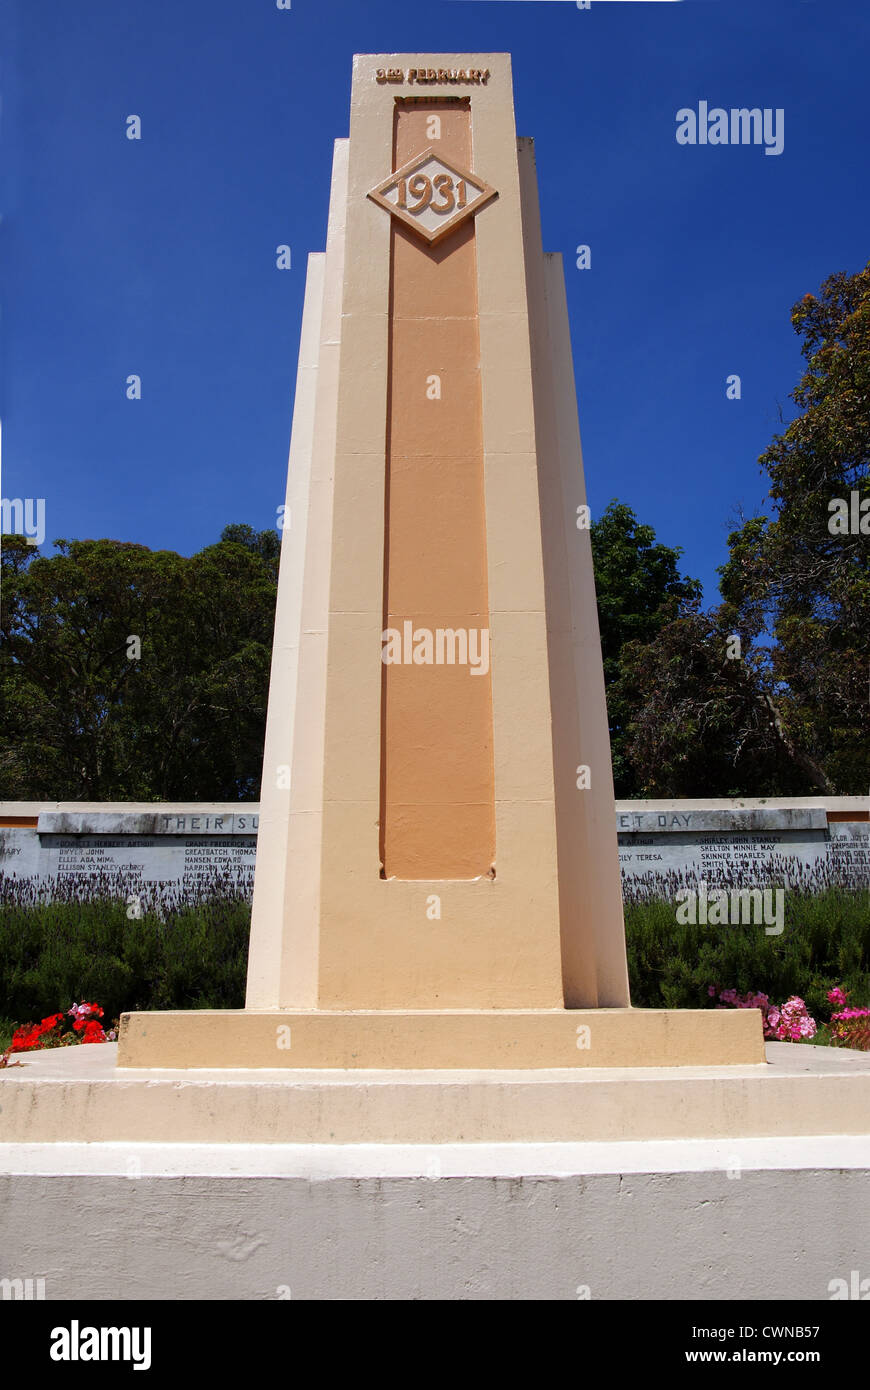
column 790, row 1023
column 793, row 1022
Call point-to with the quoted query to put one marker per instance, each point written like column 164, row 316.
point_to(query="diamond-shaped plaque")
column 432, row 195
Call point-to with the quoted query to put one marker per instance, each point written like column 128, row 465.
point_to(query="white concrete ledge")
column 77, row 1095
column 325, row 1162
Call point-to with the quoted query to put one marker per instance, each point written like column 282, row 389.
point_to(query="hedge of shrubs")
column 192, row 955
column 184, row 956
column 825, row 944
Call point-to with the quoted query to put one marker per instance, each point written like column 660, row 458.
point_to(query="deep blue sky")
column 158, row 257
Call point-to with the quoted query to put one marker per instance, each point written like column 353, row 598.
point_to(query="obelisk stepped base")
column 433, row 1040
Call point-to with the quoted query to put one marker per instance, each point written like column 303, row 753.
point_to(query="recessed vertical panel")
column 437, row 780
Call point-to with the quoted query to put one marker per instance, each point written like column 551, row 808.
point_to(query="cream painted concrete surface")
column 434, row 1039
column 76, row 1094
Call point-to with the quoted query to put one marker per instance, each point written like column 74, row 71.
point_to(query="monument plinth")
column 437, row 880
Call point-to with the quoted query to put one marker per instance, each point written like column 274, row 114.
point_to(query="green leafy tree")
column 639, row 589
column 266, row 544
column 131, row 674
column 789, row 716
column 797, row 576
column 703, row 718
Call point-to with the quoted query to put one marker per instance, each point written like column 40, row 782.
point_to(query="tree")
column 639, row 589
column 800, row 576
column 703, row 721
column 790, row 714
column 131, row 674
column 266, row 544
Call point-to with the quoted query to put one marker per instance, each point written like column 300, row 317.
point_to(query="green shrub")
column 193, row 955
column 826, row 942
column 55, row 954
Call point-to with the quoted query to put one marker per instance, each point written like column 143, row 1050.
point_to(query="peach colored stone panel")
column 437, row 782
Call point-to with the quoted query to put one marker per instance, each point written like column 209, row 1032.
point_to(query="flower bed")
column 792, row 1022
column 55, row 1031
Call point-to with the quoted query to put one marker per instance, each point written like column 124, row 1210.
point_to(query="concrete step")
column 79, row 1095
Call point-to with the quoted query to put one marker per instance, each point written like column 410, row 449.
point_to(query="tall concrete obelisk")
column 437, row 877
column 439, row 484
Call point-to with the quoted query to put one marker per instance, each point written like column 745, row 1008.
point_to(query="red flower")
column 29, row 1037
column 32, row 1036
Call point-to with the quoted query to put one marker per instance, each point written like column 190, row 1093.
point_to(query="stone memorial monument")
column 437, row 880
column 437, row 977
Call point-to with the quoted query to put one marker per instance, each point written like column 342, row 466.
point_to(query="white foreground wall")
column 755, row 1219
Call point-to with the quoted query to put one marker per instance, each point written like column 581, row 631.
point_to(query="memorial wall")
column 181, row 851
column 157, row 851
column 789, row 843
